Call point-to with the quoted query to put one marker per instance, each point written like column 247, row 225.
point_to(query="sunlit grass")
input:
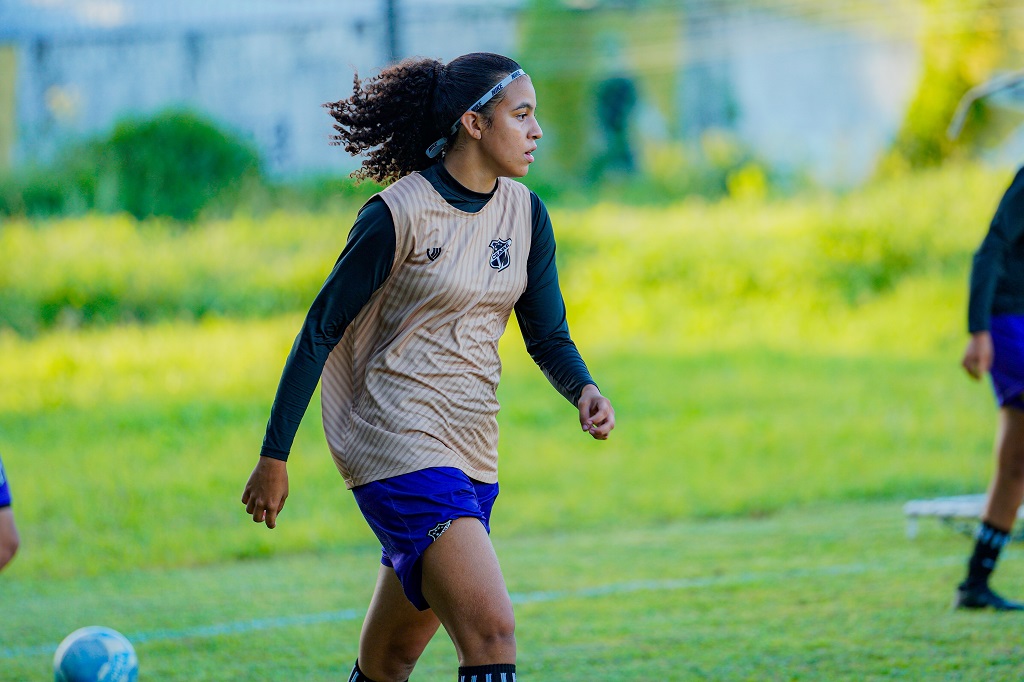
column 818, row 593
column 760, row 355
column 154, row 430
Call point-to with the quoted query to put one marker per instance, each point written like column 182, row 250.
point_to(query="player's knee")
column 496, row 634
column 394, row 665
column 395, row 669
column 399, row 657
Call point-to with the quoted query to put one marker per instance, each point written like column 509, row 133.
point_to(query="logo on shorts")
column 500, row 258
column 433, row 253
column 436, row 531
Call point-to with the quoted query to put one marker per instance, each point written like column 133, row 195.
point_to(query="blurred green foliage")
column 563, row 77
column 963, row 43
column 664, row 271
column 172, row 164
column 95, row 269
column 881, row 267
column 597, row 76
column 175, row 165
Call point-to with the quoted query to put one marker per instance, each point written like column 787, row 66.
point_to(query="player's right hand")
column 978, row 355
column 266, row 490
column 597, row 417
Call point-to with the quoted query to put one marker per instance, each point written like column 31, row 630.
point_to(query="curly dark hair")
column 393, row 117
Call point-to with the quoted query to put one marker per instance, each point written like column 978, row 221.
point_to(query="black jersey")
column 997, row 274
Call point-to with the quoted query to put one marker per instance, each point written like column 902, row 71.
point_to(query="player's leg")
column 8, row 531
column 1004, row 498
column 394, row 632
column 1007, row 488
column 434, row 524
column 8, row 536
column 464, row 585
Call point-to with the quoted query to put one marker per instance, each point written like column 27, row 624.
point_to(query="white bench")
column 960, row 512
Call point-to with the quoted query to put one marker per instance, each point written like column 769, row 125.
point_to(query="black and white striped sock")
column 989, row 542
column 500, row 672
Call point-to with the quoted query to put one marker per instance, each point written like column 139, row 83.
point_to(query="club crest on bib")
column 433, row 253
column 500, row 258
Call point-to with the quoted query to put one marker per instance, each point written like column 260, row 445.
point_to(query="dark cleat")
column 982, row 597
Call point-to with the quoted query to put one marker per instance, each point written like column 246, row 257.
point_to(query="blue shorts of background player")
column 5, row 488
column 409, row 512
column 1008, row 360
column 9, row 539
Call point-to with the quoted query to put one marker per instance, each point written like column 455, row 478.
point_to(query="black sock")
column 989, row 542
column 500, row 672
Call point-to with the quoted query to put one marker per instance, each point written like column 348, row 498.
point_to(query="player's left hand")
column 596, row 414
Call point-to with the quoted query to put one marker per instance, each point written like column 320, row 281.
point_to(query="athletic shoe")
column 982, row 597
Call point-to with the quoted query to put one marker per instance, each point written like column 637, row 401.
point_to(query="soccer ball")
column 95, row 654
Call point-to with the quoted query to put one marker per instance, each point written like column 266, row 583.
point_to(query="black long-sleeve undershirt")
column 362, row 268
column 997, row 273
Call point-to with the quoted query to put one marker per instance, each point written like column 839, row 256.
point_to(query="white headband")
column 435, row 149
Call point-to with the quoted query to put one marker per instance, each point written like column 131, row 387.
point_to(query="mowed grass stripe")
column 744, row 433
column 830, row 592
column 597, row 592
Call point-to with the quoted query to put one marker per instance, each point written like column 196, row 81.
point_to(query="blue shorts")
column 1008, row 364
column 5, row 488
column 410, row 511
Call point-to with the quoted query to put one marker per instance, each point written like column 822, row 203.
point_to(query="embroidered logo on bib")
column 500, row 258
column 432, row 254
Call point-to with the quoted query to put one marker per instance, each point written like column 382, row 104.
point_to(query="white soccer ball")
column 95, row 654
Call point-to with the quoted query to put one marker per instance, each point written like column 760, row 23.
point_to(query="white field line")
column 667, row 585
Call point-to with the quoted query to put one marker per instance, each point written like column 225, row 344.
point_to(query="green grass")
column 785, row 375
column 821, row 592
column 146, row 435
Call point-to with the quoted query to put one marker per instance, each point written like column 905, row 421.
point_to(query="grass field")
column 818, row 592
column 153, row 455
column 785, row 377
column 744, row 522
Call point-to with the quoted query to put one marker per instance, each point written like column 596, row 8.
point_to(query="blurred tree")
column 580, row 55
column 963, row 42
column 172, row 164
column 616, row 100
column 558, row 44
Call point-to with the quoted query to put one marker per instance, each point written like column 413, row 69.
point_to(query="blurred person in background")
column 404, row 337
column 996, row 324
column 8, row 531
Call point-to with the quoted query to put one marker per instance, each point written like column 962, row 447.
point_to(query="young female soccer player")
column 996, row 324
column 404, row 337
